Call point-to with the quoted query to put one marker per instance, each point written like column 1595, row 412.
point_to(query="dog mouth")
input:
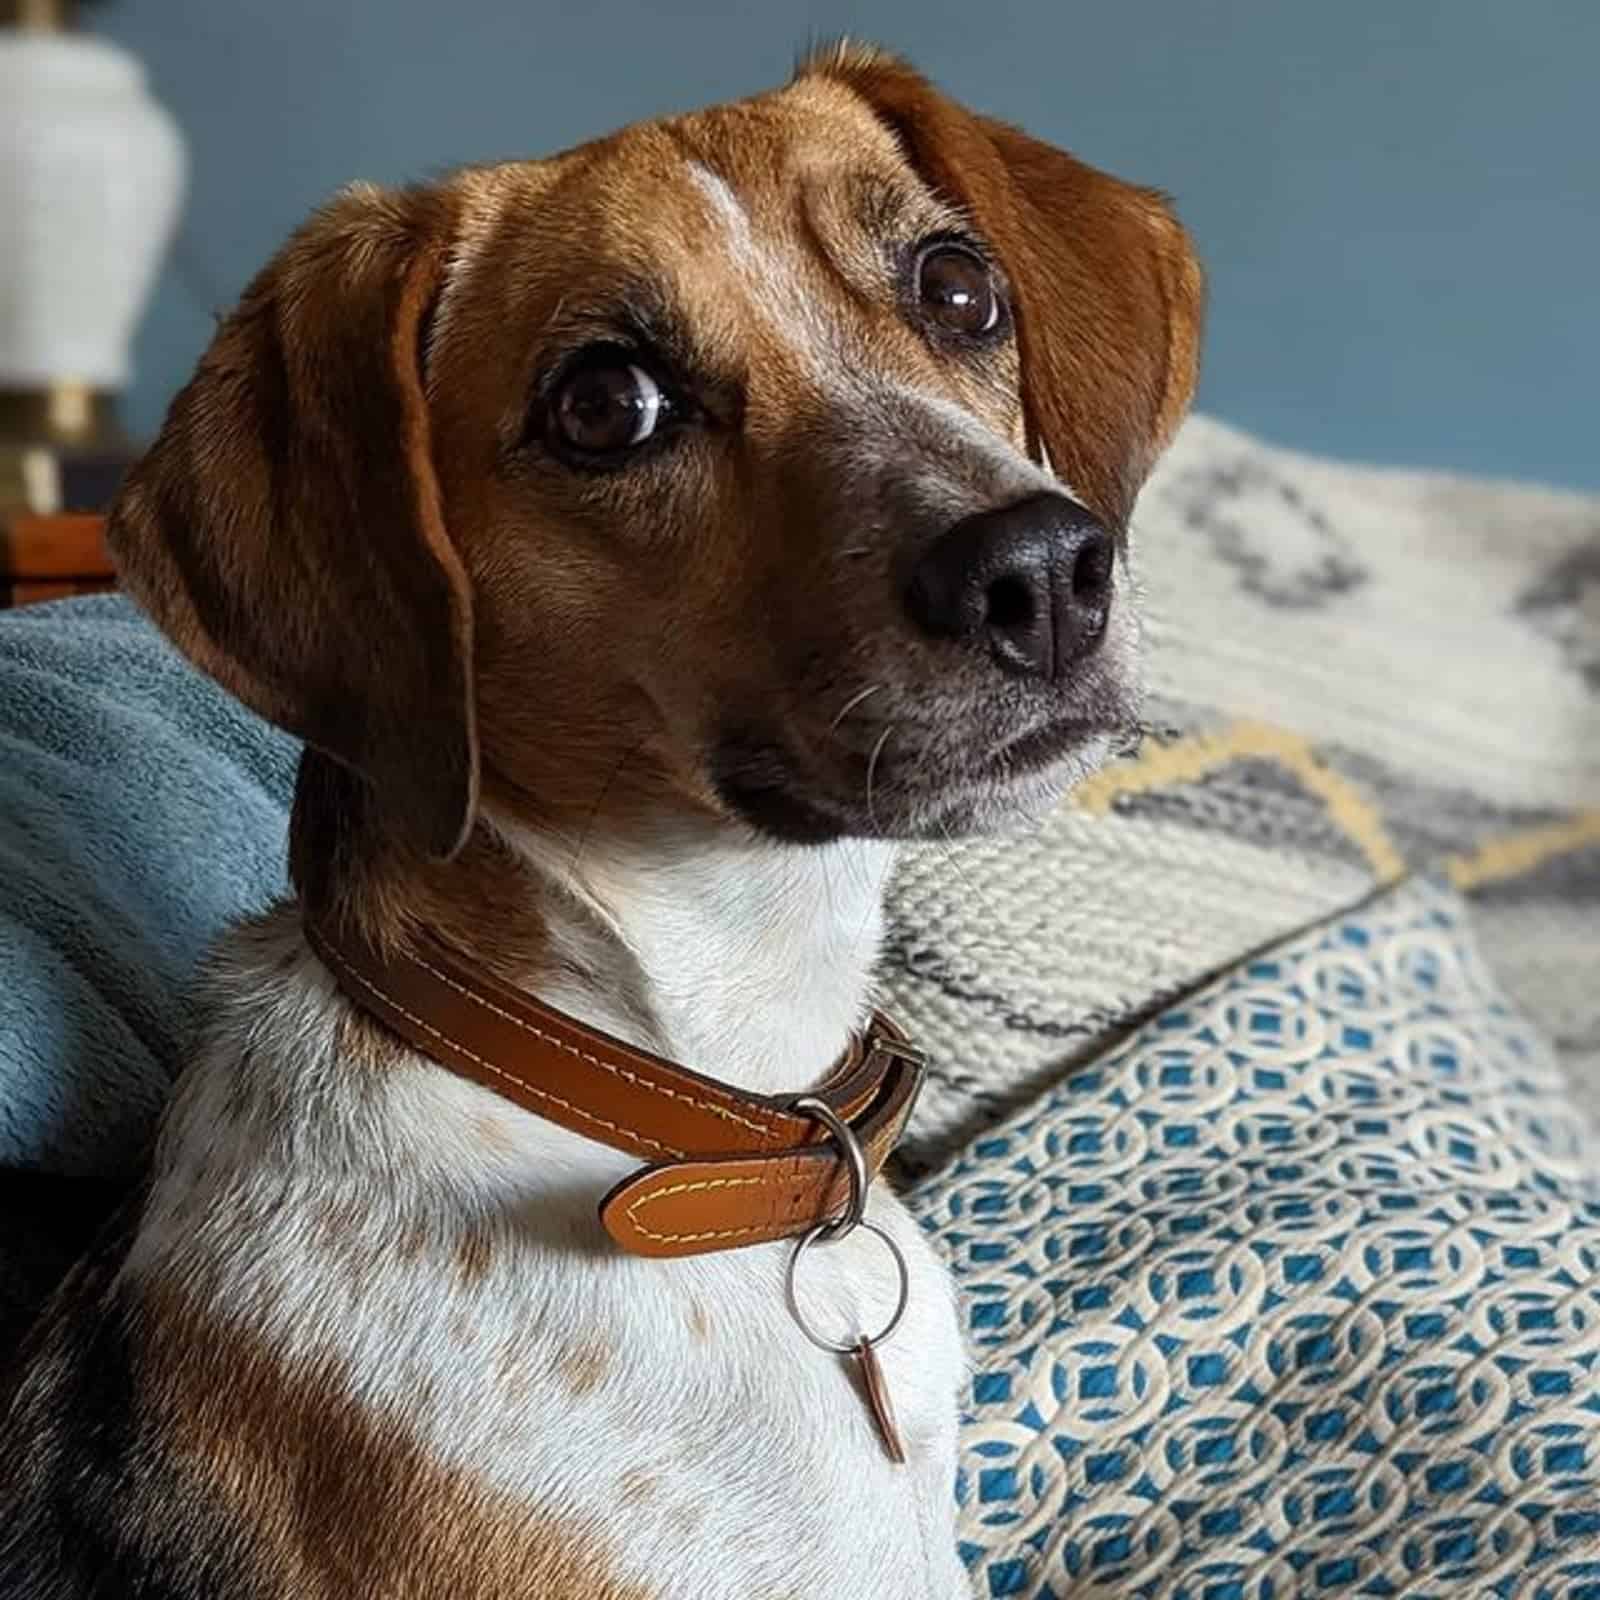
column 909, row 780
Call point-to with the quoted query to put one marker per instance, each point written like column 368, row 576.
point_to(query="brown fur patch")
column 341, row 1502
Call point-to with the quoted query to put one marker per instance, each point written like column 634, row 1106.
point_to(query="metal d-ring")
column 855, row 1159
column 851, row 1347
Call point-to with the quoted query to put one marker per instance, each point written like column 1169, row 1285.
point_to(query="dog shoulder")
column 90, row 1503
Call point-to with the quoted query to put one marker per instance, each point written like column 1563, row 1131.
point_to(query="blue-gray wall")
column 1398, row 200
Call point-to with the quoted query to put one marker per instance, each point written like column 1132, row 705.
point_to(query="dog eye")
column 607, row 403
column 956, row 291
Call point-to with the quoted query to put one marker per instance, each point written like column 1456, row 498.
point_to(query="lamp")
column 92, row 172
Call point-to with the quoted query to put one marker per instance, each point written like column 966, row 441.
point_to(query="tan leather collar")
column 726, row 1168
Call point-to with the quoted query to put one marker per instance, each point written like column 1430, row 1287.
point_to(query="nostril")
column 1091, row 570
column 1009, row 603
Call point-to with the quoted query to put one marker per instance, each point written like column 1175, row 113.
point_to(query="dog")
column 642, row 542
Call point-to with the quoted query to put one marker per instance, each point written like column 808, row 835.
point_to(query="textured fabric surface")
column 1353, row 673
column 1295, row 1293
column 140, row 810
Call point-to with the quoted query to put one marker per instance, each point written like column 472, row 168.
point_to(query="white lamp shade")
column 92, row 173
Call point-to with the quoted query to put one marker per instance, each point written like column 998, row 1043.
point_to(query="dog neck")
column 744, row 959
column 681, row 933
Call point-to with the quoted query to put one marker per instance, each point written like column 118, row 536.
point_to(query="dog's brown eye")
column 956, row 290
column 607, row 404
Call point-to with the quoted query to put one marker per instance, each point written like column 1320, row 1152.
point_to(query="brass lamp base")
column 44, row 16
column 61, row 449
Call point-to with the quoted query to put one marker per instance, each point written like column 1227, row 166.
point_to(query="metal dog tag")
column 877, row 1388
column 863, row 1350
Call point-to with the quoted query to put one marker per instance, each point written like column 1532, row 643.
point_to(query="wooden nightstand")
column 48, row 558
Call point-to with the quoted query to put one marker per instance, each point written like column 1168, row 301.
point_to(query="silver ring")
column 821, row 1232
column 855, row 1159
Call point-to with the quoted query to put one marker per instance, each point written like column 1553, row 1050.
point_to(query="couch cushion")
column 1295, row 1292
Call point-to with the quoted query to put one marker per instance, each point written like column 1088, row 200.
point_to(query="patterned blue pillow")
column 1295, row 1293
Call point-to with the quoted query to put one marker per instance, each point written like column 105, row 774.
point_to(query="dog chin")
column 786, row 809
column 1017, row 803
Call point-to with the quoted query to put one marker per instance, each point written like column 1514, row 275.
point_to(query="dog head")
column 774, row 461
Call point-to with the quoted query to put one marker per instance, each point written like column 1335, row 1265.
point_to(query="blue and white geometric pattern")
column 1296, row 1293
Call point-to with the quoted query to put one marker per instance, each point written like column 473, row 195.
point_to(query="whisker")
column 872, row 767
column 852, row 703
column 873, row 893
column 948, row 849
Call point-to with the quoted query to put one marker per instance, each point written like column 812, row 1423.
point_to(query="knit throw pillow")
column 1294, row 1293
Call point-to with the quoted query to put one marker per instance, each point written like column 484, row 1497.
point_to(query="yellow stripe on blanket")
column 1513, row 854
column 1162, row 766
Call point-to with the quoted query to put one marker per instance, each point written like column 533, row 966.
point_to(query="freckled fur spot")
column 584, row 1365
column 493, row 1134
column 686, row 1518
column 474, row 1255
column 514, row 1374
column 636, row 1485
column 412, row 1242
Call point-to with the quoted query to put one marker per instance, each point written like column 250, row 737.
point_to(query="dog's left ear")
column 1106, row 291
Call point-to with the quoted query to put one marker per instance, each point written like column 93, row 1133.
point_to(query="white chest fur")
column 440, row 1251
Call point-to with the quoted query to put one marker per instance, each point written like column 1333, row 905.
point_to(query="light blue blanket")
column 140, row 810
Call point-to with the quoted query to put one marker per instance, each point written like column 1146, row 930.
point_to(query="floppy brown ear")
column 285, row 528
column 1107, row 293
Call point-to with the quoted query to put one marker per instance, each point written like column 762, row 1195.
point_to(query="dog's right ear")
column 286, row 531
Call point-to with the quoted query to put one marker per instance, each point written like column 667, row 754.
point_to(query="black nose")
column 1031, row 583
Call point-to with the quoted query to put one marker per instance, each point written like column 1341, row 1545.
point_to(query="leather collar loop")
column 725, row 1167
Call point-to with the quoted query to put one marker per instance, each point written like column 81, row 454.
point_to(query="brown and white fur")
column 639, row 739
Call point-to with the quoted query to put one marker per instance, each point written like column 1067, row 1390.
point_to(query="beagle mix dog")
column 641, row 540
